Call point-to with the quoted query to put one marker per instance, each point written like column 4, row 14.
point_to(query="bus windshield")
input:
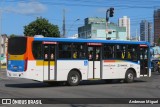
column 17, row 45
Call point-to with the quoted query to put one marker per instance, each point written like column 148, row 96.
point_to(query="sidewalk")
column 3, row 67
column 3, row 74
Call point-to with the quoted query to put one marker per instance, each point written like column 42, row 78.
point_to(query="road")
column 24, row 88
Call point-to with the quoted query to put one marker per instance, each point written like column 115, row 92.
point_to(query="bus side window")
column 132, row 52
column 108, row 52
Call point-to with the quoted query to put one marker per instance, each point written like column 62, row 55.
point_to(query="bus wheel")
column 129, row 77
column 73, row 78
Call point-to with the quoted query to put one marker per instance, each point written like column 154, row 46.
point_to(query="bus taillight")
column 25, row 65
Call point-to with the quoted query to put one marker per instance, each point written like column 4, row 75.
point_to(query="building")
column 125, row 22
column 156, row 25
column 3, row 47
column 95, row 28
column 116, row 33
column 146, row 31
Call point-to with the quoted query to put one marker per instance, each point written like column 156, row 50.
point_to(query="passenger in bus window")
column 46, row 56
column 134, row 56
column 97, row 56
column 52, row 56
column 75, row 55
column 123, row 54
column 90, row 55
column 129, row 55
column 82, row 55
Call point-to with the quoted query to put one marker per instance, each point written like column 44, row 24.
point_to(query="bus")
column 48, row 59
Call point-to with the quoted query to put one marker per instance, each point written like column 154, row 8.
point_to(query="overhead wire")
column 89, row 3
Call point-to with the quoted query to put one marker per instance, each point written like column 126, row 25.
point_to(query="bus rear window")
column 17, row 45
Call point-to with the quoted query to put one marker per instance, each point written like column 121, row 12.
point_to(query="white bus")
column 73, row 60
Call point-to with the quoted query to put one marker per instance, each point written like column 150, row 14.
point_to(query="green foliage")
column 12, row 35
column 41, row 26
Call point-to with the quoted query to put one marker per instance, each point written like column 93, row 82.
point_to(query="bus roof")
column 89, row 40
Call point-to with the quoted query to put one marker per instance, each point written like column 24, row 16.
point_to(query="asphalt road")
column 24, row 88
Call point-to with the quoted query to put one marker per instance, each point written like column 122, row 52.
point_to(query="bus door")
column 94, row 58
column 144, row 60
column 49, row 61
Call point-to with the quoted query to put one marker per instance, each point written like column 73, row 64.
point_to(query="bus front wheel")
column 73, row 78
column 129, row 77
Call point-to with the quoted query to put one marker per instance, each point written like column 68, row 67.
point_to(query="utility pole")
column 64, row 25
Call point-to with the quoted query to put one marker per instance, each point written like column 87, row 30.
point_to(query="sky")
column 15, row 14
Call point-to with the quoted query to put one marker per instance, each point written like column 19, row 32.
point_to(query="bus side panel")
column 35, row 70
column 108, row 70
column 64, row 66
column 29, row 55
column 116, row 69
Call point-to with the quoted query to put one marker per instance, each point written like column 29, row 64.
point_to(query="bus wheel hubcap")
column 74, row 78
column 130, row 76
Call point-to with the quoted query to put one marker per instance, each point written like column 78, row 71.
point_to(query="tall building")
column 146, row 31
column 156, row 25
column 125, row 22
column 96, row 28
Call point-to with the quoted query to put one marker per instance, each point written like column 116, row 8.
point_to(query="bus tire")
column 129, row 76
column 73, row 78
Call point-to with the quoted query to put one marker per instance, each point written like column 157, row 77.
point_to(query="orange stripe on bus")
column 29, row 54
column 109, row 60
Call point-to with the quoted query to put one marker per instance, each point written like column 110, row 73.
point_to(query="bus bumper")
column 15, row 74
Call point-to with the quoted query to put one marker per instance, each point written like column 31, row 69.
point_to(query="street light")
column 72, row 26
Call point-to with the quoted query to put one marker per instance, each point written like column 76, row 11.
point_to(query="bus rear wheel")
column 129, row 76
column 73, row 78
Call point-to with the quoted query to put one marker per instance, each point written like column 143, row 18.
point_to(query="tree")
column 12, row 35
column 41, row 26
